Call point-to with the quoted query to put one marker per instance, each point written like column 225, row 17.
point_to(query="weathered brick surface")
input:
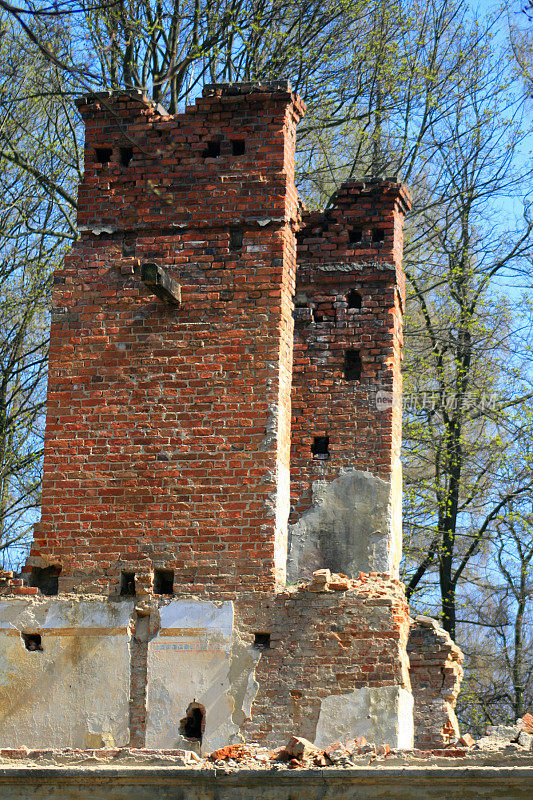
column 168, row 428
column 436, row 672
column 322, row 643
column 362, row 434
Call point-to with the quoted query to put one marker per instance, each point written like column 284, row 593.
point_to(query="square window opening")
column 356, row 235
column 212, row 150
column 103, row 154
column 32, row 642
column 354, row 299
column 163, row 581
column 238, row 147
column 46, row 579
column 262, row 641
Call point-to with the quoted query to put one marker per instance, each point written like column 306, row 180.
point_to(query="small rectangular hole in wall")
column 32, row 641
column 46, row 579
column 352, row 365
column 212, row 150
column 127, row 584
column 320, row 447
column 103, row 154
column 236, row 237
column 354, row 299
column 262, row 641
column 356, row 235
column 163, row 581
column 238, row 147
column 378, row 235
column 126, row 155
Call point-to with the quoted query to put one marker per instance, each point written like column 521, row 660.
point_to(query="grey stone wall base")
column 168, row 783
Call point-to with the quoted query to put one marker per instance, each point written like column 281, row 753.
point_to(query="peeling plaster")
column 383, row 715
column 75, row 692
column 348, row 528
column 244, row 687
column 196, row 657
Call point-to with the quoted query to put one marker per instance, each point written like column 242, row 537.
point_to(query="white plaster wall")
column 75, row 693
column 383, row 715
column 189, row 661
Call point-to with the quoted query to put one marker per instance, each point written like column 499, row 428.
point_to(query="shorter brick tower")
column 217, row 558
column 346, row 399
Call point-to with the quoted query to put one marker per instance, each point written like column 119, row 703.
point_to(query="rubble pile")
column 502, row 744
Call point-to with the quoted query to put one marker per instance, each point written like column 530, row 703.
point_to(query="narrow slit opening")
column 236, row 237
column 320, row 447
column 126, row 155
column 352, row 365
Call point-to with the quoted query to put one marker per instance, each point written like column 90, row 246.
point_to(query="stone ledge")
column 167, row 783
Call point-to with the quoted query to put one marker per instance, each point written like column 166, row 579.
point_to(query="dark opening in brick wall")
column 127, row 584
column 126, row 155
column 354, row 299
column 46, row 579
column 103, row 154
column 352, row 365
column 236, row 236
column 238, row 147
column 356, row 235
column 262, row 641
column 163, row 581
column 212, row 150
column 320, row 447
column 128, row 248
column 32, row 641
column 192, row 725
column 378, row 235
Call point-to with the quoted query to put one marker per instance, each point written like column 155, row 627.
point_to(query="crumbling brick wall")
column 436, row 672
column 168, row 440
column 323, row 643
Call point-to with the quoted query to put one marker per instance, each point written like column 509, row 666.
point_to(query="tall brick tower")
column 191, row 521
column 169, row 417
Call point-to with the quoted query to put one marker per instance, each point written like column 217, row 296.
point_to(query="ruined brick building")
column 218, row 553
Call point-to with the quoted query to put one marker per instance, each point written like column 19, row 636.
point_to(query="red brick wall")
column 324, row 403
column 168, row 427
